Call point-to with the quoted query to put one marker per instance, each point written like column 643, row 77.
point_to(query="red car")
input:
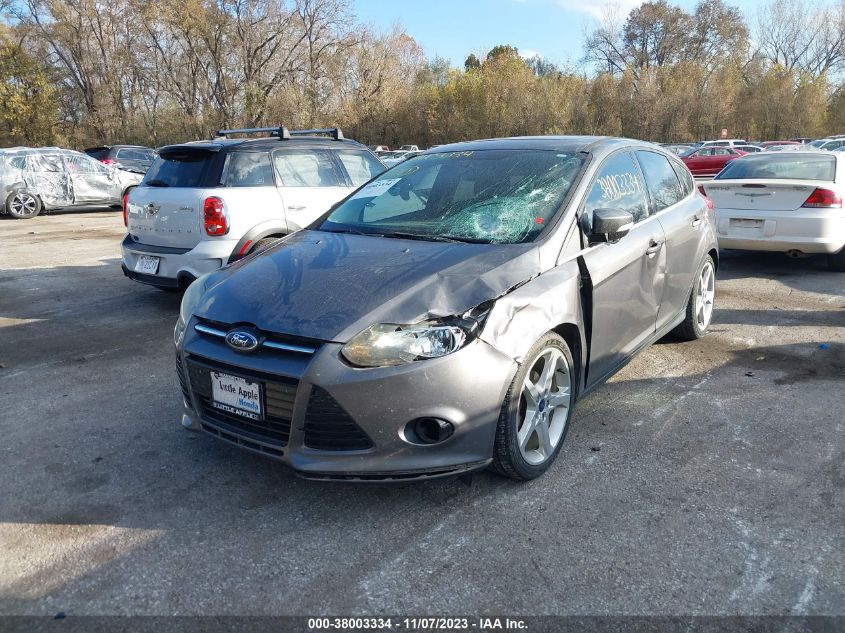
column 709, row 161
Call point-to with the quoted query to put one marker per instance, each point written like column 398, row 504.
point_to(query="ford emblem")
column 242, row 341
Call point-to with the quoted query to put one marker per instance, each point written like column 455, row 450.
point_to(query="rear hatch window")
column 781, row 166
column 181, row 168
column 98, row 152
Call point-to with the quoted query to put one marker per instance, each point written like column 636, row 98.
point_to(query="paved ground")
column 707, row 477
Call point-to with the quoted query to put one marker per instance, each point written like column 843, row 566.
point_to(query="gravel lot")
column 705, row 478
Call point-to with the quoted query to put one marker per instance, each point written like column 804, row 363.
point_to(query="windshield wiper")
column 157, row 183
column 351, row 231
column 434, row 238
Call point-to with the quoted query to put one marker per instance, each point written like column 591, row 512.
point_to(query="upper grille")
column 273, row 430
column 270, row 341
column 328, row 427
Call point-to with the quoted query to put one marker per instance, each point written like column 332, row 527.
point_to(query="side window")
column 618, row 185
column 84, row 165
column 361, row 166
column 661, row 179
column 128, row 153
column 45, row 162
column 306, row 168
column 248, row 169
column 684, row 175
column 18, row 162
column 721, row 151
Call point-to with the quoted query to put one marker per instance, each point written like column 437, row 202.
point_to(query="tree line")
column 80, row 72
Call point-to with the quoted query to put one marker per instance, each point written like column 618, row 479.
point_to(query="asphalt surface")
column 705, row 478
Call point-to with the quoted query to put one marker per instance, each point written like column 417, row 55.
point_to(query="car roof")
column 98, row 147
column 264, row 144
column 569, row 144
column 15, row 151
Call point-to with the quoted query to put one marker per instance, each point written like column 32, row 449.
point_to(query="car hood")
column 331, row 286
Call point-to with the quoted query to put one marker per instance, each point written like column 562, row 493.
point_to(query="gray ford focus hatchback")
column 446, row 316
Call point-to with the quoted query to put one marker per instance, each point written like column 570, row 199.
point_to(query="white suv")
column 204, row 204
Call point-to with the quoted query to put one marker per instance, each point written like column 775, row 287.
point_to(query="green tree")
column 28, row 111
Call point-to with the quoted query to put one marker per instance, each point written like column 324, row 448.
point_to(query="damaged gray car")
column 33, row 180
column 448, row 314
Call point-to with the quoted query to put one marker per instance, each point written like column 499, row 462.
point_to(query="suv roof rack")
column 282, row 132
column 334, row 132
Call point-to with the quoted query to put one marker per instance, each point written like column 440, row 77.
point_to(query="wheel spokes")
column 544, row 444
column 549, row 368
column 531, row 393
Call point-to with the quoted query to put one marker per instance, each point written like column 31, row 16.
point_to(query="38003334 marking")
column 418, row 624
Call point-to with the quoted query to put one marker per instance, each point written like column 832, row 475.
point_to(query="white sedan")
column 782, row 201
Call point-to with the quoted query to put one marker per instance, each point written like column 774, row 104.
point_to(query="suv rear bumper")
column 177, row 267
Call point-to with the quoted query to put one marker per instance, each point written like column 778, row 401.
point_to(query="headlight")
column 385, row 344
column 192, row 297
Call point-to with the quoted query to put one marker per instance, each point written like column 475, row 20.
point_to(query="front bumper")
column 465, row 388
column 811, row 231
column 177, row 266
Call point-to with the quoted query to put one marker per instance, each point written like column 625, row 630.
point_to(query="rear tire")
column 536, row 412
column 836, row 261
column 23, row 205
column 700, row 304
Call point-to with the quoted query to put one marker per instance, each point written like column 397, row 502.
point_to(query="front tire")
column 700, row 304
column 535, row 415
column 23, row 205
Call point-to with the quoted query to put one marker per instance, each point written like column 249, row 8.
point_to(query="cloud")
column 529, row 53
column 598, row 8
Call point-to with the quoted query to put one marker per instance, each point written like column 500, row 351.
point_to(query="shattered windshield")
column 488, row 196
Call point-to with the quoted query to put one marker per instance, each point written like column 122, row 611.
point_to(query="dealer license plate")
column 147, row 264
column 237, row 395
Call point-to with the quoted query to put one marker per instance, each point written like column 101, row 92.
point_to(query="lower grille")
column 329, row 428
column 273, row 431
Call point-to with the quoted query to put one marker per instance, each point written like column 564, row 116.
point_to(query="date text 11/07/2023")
column 417, row 624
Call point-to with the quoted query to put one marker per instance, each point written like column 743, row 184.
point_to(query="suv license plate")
column 234, row 394
column 147, row 264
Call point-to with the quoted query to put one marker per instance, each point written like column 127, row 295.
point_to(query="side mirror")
column 610, row 225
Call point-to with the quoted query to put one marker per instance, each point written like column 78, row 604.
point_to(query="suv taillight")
column 109, row 161
column 823, row 199
column 126, row 209
column 214, row 217
column 710, row 205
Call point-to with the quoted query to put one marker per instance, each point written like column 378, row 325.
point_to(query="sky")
column 554, row 29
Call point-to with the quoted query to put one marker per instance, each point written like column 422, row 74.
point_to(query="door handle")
column 296, row 207
column 696, row 222
column 653, row 248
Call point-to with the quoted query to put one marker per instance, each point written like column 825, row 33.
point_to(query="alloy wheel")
column 544, row 406
column 24, row 204
column 706, row 295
